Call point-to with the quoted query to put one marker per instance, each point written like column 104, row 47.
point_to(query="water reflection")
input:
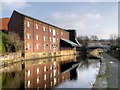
column 60, row 72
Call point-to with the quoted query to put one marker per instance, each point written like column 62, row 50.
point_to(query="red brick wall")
column 4, row 23
column 41, row 34
column 18, row 24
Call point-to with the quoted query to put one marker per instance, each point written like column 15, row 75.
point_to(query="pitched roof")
column 38, row 20
column 70, row 42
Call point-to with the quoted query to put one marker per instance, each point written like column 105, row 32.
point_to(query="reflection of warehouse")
column 45, row 73
column 42, row 39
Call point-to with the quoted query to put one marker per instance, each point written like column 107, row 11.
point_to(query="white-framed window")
column 61, row 33
column 51, row 75
column 54, row 33
column 37, row 70
column 28, row 83
column 28, row 36
column 37, row 26
column 44, row 29
column 51, row 67
column 50, row 46
column 38, row 79
column 28, row 24
column 45, row 86
column 37, row 37
column 28, row 73
column 28, row 45
column 45, row 68
column 50, row 30
column 37, row 46
column 51, row 83
column 54, row 39
column 50, row 39
column 44, row 46
column 45, row 77
column 44, row 37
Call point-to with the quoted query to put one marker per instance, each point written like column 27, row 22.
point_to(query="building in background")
column 4, row 24
column 40, row 38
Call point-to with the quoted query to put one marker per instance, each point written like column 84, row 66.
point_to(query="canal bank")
column 108, row 74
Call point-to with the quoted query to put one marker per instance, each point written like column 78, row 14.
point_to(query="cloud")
column 71, row 20
column 14, row 4
column 93, row 16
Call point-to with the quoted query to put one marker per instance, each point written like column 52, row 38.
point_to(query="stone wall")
column 16, row 56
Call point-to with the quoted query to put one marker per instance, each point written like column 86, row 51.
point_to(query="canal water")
column 59, row 72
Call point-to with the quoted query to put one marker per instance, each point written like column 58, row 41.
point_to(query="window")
column 54, row 33
column 37, row 46
column 37, row 37
column 54, row 39
column 28, row 83
column 51, row 67
column 37, row 26
column 51, row 83
column 37, row 79
column 61, row 33
column 44, row 38
column 44, row 29
column 45, row 77
column 50, row 39
column 51, row 75
column 45, row 68
column 44, row 46
column 45, row 85
column 28, row 46
column 50, row 30
column 50, row 46
column 37, row 70
column 28, row 73
column 28, row 24
column 28, row 36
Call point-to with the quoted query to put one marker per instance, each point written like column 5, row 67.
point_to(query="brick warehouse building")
column 40, row 38
column 4, row 24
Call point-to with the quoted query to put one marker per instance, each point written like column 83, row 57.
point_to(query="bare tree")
column 94, row 38
column 113, row 39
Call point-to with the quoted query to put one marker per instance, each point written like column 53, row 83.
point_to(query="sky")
column 88, row 18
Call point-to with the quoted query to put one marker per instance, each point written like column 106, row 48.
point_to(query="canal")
column 60, row 72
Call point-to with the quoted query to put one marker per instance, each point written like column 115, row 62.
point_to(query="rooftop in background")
column 4, row 23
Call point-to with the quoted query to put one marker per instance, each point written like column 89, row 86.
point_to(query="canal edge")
column 101, row 80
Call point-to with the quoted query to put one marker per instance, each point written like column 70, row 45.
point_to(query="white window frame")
column 45, row 77
column 44, row 37
column 28, row 36
column 62, row 33
column 28, row 24
column 28, row 83
column 44, row 28
column 37, row 27
column 37, row 46
column 37, row 37
column 45, row 86
column 51, row 75
column 54, row 32
column 50, row 39
column 50, row 30
column 38, row 79
column 51, row 67
column 50, row 46
column 28, row 46
column 38, row 70
column 28, row 73
column 45, row 68
column 44, row 46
